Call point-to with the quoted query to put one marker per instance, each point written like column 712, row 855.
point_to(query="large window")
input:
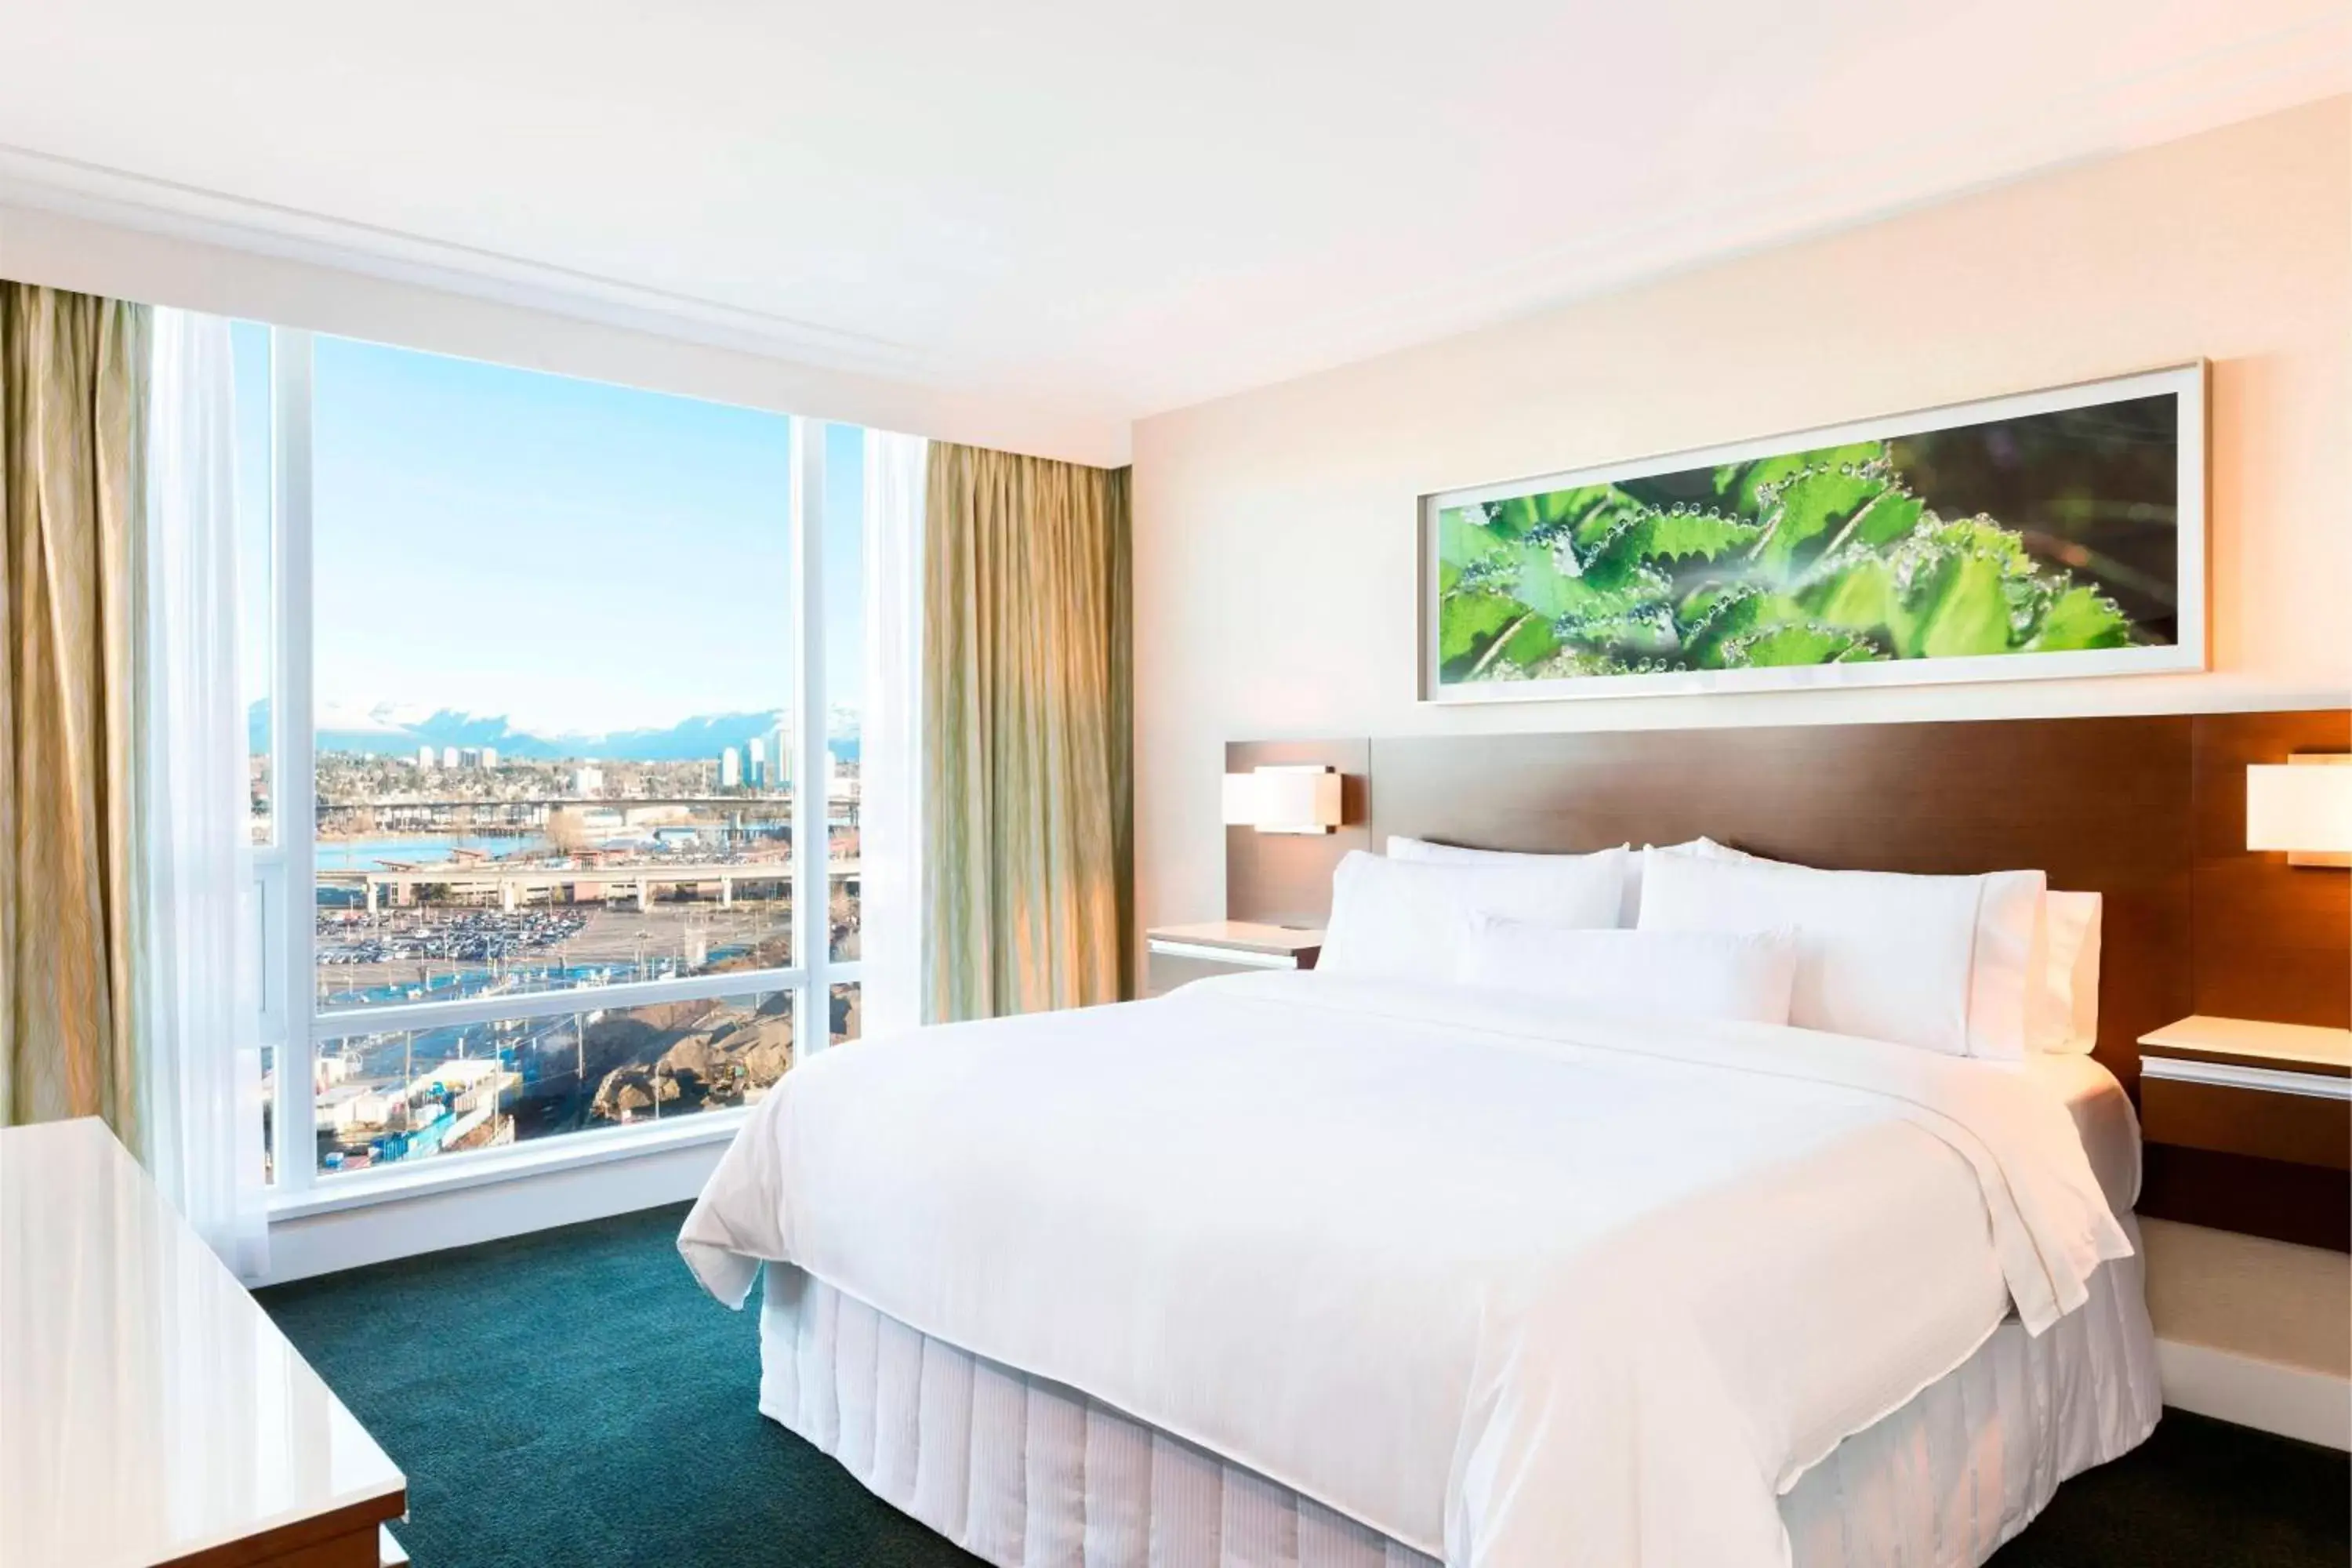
column 555, row 733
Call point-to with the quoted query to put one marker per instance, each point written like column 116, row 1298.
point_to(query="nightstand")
column 2277, row 1091
column 1175, row 954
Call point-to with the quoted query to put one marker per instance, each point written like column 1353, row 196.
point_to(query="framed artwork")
column 2049, row 534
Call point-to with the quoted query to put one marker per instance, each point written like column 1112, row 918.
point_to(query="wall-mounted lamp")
column 2302, row 806
column 1286, row 798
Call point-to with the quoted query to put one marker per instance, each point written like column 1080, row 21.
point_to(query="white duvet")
column 1512, row 1288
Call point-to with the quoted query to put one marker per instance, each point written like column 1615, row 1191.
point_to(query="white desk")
column 150, row 1411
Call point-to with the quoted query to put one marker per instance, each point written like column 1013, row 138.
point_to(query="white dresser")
column 150, row 1411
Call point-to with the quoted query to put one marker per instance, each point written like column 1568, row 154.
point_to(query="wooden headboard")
column 2147, row 810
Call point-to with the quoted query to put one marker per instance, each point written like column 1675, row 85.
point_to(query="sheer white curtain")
column 195, row 941
column 890, row 815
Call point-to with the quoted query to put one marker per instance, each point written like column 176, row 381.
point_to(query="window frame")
column 286, row 1016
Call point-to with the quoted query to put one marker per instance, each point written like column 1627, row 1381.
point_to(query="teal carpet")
column 572, row 1398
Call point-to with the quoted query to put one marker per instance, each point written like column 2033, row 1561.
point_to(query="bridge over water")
column 512, row 886
column 587, row 803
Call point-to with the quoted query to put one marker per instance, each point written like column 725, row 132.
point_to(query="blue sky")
column 576, row 555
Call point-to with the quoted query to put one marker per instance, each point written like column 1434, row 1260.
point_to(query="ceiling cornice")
column 45, row 182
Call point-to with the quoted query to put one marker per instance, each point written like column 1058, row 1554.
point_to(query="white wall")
column 530, row 325
column 1274, row 542
column 484, row 1208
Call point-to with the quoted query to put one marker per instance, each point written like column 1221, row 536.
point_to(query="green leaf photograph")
column 2064, row 540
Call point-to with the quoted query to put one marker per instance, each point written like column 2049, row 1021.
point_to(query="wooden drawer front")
column 2305, row 1130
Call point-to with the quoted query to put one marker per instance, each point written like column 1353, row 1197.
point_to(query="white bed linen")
column 1028, row 1473
column 2102, row 1115
column 1622, row 1285
column 2064, row 1009
column 1636, row 974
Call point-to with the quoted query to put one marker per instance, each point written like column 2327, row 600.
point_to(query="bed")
column 1330, row 1269
column 1062, row 1334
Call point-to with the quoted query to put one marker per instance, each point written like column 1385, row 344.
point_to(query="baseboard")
column 2292, row 1401
column 536, row 1199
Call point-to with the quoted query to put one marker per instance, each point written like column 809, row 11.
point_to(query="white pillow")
column 1404, row 848
column 2064, row 1008
column 1742, row 975
column 1408, row 919
column 2066, row 1003
column 1942, row 963
column 1702, row 848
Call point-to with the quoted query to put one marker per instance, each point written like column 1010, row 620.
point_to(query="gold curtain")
column 1028, row 887
column 73, row 372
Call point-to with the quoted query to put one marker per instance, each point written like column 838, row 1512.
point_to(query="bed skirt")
column 1028, row 1473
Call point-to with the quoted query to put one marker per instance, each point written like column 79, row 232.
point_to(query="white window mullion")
column 812, row 887
column 294, row 1114
column 268, row 866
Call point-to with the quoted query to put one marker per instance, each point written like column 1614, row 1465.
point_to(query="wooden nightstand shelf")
column 1175, row 954
column 2276, row 1091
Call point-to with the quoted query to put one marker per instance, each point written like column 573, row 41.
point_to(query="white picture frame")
column 2188, row 652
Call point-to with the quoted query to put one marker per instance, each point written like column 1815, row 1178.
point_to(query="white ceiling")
column 1123, row 208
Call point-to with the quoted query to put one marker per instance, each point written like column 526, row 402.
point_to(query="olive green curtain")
column 73, row 372
column 1028, row 864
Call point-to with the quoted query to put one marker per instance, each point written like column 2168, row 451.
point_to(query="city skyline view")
column 554, row 650
column 388, row 729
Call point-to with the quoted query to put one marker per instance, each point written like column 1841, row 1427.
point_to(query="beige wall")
column 1275, row 570
column 2276, row 1302
column 2252, row 1331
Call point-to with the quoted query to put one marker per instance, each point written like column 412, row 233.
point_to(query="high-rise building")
column 731, row 769
column 588, row 782
column 781, row 740
column 756, row 753
column 448, row 756
column 425, row 756
column 489, row 756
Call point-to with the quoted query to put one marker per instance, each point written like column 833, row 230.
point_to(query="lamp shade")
column 1284, row 799
column 2305, row 808
column 1241, row 800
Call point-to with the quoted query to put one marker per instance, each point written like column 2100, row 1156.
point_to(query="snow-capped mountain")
column 391, row 728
